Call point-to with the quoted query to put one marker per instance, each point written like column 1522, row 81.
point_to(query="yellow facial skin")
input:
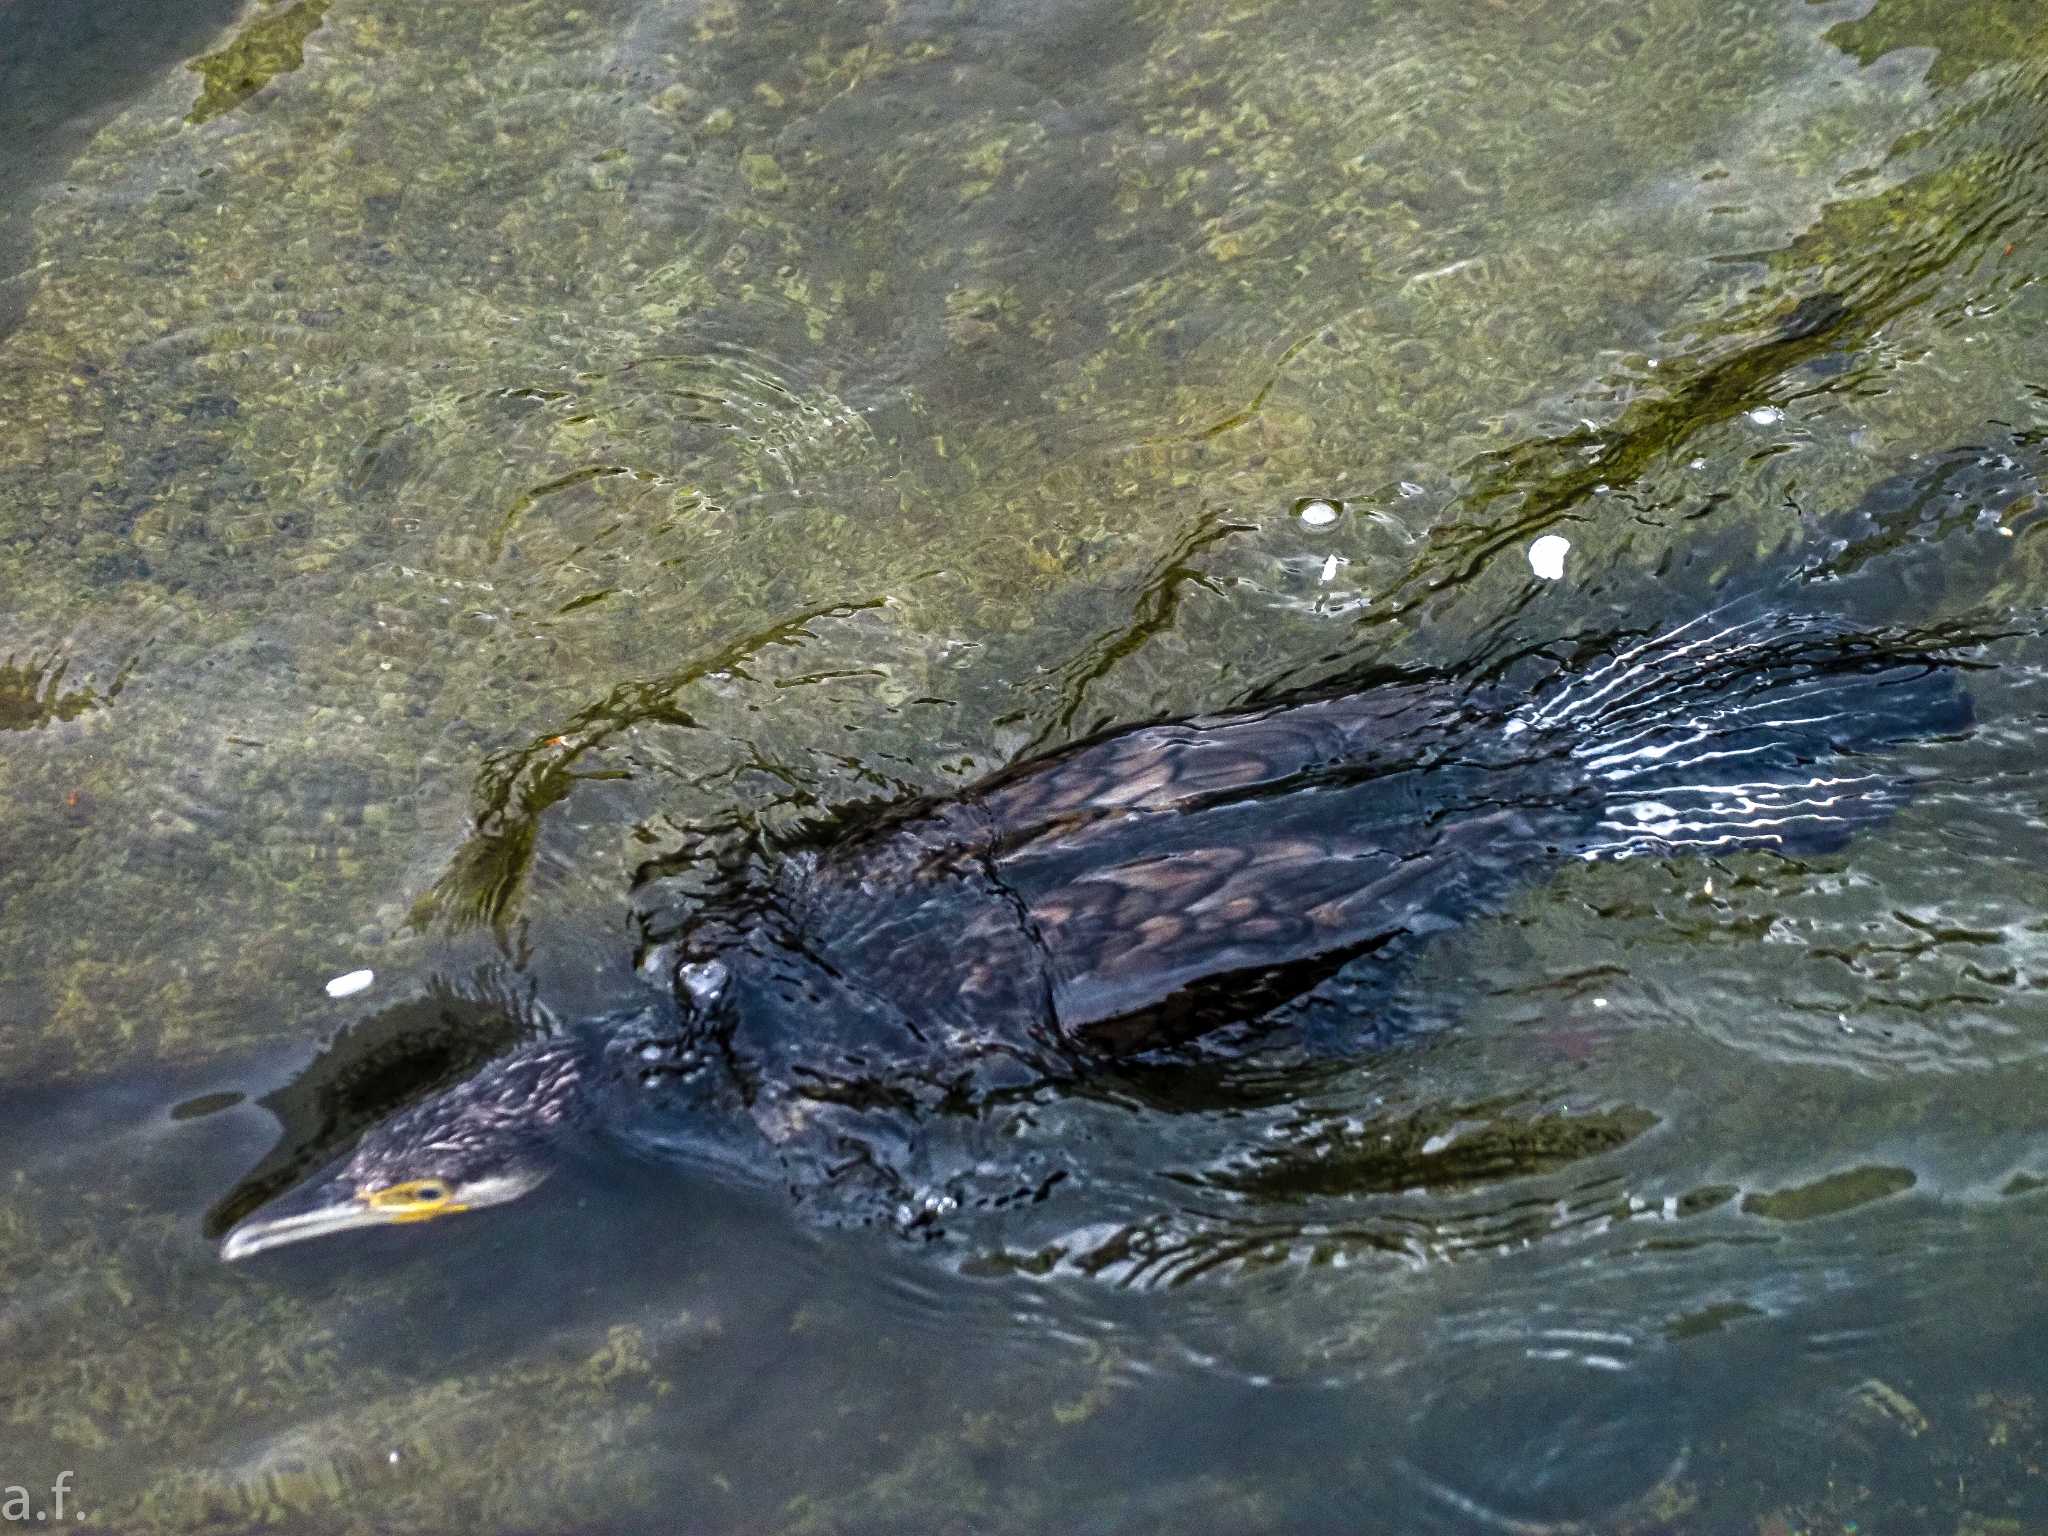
column 414, row 1200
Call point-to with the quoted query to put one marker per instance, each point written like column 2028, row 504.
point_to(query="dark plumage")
column 1147, row 893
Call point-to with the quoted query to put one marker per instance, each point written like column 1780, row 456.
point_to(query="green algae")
column 485, row 879
column 1440, row 1149
column 269, row 44
column 1711, row 1319
column 1830, row 1195
column 1970, row 1458
column 33, row 695
column 1962, row 42
column 439, row 1452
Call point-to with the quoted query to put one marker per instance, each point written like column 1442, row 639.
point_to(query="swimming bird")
column 1167, row 889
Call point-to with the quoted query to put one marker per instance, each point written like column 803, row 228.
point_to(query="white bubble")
column 350, row 984
column 1546, row 555
column 1766, row 415
column 1330, row 570
column 1318, row 514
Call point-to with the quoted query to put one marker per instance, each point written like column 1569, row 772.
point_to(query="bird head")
column 483, row 1142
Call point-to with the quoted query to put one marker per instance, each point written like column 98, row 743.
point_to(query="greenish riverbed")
column 463, row 466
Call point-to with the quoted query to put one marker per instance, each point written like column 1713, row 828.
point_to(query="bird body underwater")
column 871, row 1025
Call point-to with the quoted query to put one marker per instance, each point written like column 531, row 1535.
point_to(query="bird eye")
column 414, row 1200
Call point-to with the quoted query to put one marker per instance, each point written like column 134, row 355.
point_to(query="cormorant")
column 1151, row 890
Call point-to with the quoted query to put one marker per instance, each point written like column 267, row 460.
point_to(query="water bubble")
column 703, row 980
column 1316, row 512
column 1766, row 415
column 1546, row 556
column 349, row 984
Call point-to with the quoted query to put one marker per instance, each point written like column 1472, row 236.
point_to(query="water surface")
column 466, row 469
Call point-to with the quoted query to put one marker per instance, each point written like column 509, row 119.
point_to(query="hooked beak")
column 316, row 1212
column 331, row 1206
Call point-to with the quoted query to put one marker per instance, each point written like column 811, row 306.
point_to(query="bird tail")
column 1747, row 729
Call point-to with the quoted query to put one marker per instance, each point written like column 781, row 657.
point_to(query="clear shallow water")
column 66, row 70
column 512, row 455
